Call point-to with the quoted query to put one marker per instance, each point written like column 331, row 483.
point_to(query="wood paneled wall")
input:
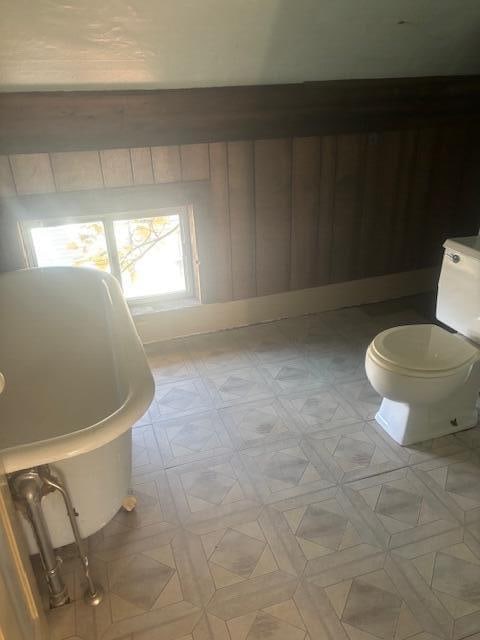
column 293, row 213
column 86, row 120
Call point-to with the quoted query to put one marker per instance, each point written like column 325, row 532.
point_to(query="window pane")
column 151, row 255
column 71, row 245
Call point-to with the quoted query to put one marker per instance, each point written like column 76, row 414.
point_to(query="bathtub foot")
column 129, row 503
column 95, row 598
column 28, row 490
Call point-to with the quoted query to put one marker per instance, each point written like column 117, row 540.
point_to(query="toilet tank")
column 458, row 300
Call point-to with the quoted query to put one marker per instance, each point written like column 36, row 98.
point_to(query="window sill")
column 143, row 309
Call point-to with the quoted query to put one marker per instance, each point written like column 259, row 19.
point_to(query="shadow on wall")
column 344, row 39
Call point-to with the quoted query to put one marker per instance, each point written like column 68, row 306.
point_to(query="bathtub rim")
column 84, row 440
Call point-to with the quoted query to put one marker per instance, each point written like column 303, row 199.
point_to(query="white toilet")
column 428, row 377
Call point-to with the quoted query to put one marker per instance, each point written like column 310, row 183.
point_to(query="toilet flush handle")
column 454, row 257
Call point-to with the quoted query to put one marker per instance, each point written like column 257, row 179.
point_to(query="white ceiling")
column 108, row 44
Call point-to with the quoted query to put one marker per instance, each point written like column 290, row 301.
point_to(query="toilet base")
column 409, row 423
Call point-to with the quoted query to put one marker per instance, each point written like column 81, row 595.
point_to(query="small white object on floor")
column 129, row 503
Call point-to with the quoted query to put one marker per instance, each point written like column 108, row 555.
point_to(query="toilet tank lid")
column 467, row 246
column 423, row 347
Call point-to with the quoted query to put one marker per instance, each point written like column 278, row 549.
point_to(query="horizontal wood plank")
column 62, row 121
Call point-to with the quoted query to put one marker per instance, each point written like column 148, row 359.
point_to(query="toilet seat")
column 424, row 350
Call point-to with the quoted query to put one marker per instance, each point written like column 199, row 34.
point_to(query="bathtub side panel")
column 97, row 482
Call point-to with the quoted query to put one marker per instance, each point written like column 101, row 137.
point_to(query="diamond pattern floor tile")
column 272, row 507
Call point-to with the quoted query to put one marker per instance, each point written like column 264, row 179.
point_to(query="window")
column 149, row 253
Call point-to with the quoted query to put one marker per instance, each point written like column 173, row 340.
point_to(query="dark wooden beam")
column 63, row 121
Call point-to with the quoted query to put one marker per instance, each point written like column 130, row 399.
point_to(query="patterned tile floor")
column 272, row 507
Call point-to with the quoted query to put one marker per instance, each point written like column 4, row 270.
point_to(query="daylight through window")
column 148, row 253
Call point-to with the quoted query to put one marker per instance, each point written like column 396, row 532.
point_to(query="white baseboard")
column 175, row 323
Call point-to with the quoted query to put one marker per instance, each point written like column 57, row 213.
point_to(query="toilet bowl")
column 429, row 380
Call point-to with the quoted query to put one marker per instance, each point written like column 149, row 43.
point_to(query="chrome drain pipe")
column 94, row 593
column 28, row 488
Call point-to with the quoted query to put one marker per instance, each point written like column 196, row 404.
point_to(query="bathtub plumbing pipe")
column 28, row 490
column 94, row 593
column 29, row 487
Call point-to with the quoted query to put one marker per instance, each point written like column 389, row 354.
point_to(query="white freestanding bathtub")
column 76, row 380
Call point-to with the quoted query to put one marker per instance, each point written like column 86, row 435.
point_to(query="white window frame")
column 107, row 220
